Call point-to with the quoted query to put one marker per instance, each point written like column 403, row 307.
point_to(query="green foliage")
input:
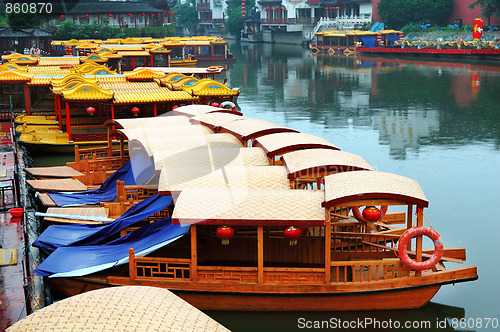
column 397, row 13
column 235, row 23
column 23, row 20
column 155, row 32
column 68, row 29
column 4, row 22
column 488, row 8
column 186, row 15
column 411, row 27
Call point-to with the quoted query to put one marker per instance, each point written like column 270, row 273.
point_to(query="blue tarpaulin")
column 368, row 41
column 106, row 193
column 80, row 261
column 392, row 38
column 91, row 234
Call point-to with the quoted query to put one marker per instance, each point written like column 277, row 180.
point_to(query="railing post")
column 328, row 245
column 194, row 254
column 131, row 264
column 420, row 223
column 260, row 254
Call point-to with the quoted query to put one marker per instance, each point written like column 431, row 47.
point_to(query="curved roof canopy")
column 125, row 308
column 341, row 188
column 247, row 128
column 277, row 144
column 249, row 207
column 214, row 120
column 149, row 122
column 198, row 110
column 314, row 162
column 175, row 179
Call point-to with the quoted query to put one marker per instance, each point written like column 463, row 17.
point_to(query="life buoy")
column 406, row 238
column 359, row 217
column 214, row 68
column 228, row 104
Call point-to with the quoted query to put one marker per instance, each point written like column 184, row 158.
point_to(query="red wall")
column 460, row 10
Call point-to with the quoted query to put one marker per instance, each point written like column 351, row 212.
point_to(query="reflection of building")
column 407, row 129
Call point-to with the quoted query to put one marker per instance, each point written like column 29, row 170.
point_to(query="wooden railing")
column 152, row 267
column 363, row 242
column 368, row 270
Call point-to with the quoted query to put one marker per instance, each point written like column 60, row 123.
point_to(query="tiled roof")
column 112, row 7
column 151, row 96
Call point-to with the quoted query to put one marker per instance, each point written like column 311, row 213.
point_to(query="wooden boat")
column 392, row 42
column 290, row 239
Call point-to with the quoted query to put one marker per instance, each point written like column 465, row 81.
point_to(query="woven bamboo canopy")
column 341, row 188
column 247, row 128
column 280, row 143
column 250, row 207
column 212, row 157
column 126, row 308
column 162, row 132
column 198, row 110
column 153, row 145
column 314, row 161
column 149, row 122
column 175, row 179
column 214, row 120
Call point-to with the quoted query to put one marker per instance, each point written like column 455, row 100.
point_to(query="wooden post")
column 122, row 150
column 68, row 123
column 328, row 246
column 155, row 110
column 420, row 223
column 27, row 96
column 132, row 270
column 409, row 222
column 194, row 254
column 110, row 143
column 260, row 254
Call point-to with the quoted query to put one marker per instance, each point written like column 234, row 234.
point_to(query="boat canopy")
column 213, row 120
column 197, row 110
column 105, row 193
column 91, row 234
column 213, row 157
column 250, row 207
column 149, row 122
column 341, row 188
column 247, row 128
column 172, row 131
column 175, row 179
column 312, row 161
column 277, row 144
column 84, row 260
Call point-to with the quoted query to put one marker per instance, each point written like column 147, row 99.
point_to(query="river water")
column 437, row 122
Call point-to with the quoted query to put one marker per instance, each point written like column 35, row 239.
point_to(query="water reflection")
column 410, row 103
column 432, row 317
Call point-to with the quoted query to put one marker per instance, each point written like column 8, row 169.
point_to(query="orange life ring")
column 214, row 68
column 406, row 238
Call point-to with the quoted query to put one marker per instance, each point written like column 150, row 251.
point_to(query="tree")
column 235, row 22
column 488, row 8
column 186, row 15
column 397, row 13
column 23, row 20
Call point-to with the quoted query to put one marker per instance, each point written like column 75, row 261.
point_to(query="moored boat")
column 292, row 238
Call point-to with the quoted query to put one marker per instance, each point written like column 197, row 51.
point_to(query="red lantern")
column 214, row 104
column 110, row 15
column 372, row 214
column 284, row 9
column 243, row 15
column 158, row 15
column 275, row 8
column 477, row 28
column 152, row 15
column 243, row 12
column 135, row 110
column 87, row 15
column 129, row 14
column 143, row 14
column 225, row 233
column 172, row 14
column 242, row 8
column 242, row 3
column 90, row 110
column 292, row 234
column 266, row 9
column 165, row 12
column 62, row 16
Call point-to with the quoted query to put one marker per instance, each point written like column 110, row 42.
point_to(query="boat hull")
column 405, row 293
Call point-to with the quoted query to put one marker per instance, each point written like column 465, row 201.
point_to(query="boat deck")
column 57, row 185
column 53, row 172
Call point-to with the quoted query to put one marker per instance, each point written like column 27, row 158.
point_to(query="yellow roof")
column 72, row 77
column 86, row 46
column 109, row 55
column 14, row 66
column 15, row 76
column 183, row 81
column 24, row 60
column 49, row 70
column 133, row 53
column 94, row 57
column 101, row 71
column 41, row 80
column 111, row 78
column 86, row 91
column 209, row 87
column 150, row 96
column 143, row 74
column 59, row 61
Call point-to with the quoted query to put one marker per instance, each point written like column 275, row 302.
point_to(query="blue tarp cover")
column 392, row 38
column 80, row 261
column 368, row 41
column 91, row 234
column 106, row 193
